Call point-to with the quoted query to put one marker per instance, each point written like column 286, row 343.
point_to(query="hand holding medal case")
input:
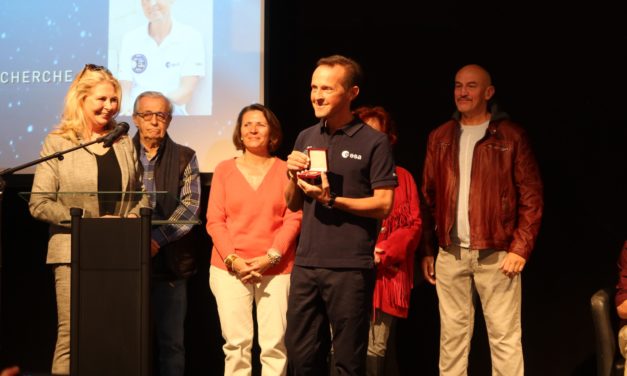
column 317, row 165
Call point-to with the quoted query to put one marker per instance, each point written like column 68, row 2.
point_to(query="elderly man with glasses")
column 168, row 166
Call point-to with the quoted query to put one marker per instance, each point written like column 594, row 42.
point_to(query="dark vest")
column 177, row 259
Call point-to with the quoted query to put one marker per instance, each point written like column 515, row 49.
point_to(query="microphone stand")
column 58, row 155
column 9, row 171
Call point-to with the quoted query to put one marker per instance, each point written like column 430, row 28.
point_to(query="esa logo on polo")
column 348, row 154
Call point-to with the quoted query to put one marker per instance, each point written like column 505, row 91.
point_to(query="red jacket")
column 505, row 203
column 621, row 286
column 398, row 238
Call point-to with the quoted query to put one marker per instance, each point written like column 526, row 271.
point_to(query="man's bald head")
column 473, row 90
column 477, row 71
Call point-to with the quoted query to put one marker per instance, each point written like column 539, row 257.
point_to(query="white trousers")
column 461, row 273
column 235, row 304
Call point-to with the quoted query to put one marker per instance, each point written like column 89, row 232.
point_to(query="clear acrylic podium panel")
column 109, row 204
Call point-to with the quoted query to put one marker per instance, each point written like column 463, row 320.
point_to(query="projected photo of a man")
column 166, row 55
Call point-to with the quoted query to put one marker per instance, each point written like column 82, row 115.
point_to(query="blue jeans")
column 169, row 302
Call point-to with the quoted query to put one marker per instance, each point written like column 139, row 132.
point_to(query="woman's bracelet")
column 228, row 261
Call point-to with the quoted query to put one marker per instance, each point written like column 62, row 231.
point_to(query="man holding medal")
column 333, row 275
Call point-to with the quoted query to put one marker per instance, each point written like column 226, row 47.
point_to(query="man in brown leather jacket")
column 482, row 185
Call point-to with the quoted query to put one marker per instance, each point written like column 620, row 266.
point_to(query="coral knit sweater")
column 248, row 222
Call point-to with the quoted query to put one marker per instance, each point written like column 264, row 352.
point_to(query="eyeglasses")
column 147, row 116
column 93, row 68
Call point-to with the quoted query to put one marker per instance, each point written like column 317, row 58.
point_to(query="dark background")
column 559, row 69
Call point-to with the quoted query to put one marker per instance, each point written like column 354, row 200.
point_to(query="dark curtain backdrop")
column 558, row 70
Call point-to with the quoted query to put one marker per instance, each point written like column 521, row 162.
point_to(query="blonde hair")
column 73, row 123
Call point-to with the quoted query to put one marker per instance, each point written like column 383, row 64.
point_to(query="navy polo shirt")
column 359, row 160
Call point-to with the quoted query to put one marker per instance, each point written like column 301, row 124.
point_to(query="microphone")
column 117, row 132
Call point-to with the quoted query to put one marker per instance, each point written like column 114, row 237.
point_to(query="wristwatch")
column 331, row 200
column 274, row 257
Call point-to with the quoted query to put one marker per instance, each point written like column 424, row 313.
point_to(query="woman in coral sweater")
column 394, row 251
column 254, row 240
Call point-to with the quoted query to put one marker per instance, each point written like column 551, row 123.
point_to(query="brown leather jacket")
column 505, row 204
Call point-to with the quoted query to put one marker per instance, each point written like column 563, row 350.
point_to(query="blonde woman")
column 91, row 104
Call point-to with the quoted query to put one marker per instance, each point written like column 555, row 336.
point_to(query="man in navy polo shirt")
column 333, row 276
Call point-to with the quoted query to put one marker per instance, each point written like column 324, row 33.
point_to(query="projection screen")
column 45, row 43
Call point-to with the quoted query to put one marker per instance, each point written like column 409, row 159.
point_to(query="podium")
column 110, row 310
column 110, row 285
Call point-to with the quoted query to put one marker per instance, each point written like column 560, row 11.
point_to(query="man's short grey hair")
column 153, row 94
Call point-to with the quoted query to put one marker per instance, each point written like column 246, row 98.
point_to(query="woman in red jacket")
column 394, row 251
